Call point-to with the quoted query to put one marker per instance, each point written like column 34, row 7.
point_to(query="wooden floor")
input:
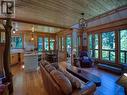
column 31, row 83
column 108, row 82
column 27, row 83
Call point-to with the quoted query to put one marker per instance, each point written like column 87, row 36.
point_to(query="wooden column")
column 8, row 27
column 100, row 46
column 117, row 47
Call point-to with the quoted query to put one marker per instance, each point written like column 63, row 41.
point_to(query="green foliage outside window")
column 123, row 46
column 46, row 44
column 108, row 46
column 96, row 53
column 108, row 40
column 16, row 42
column 52, row 44
column 40, row 44
column 90, row 41
column 96, row 41
column 93, row 46
column 68, row 44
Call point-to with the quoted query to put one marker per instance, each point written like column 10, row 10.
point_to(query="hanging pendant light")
column 82, row 22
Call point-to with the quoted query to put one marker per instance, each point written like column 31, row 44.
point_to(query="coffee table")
column 84, row 75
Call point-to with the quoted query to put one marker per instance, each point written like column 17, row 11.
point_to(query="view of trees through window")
column 46, row 44
column 40, row 44
column 96, row 46
column 108, row 46
column 16, row 42
column 93, row 45
column 52, row 44
column 123, row 46
column 68, row 44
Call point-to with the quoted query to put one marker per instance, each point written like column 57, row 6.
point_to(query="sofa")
column 63, row 86
column 115, row 68
column 85, row 60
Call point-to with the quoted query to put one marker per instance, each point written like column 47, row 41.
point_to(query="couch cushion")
column 49, row 68
column 75, row 82
column 55, row 65
column 44, row 63
column 62, row 81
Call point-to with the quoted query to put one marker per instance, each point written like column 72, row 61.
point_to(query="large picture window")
column 123, row 46
column 52, row 43
column 46, row 44
column 68, row 45
column 93, row 45
column 96, row 46
column 16, row 42
column 108, row 46
column 40, row 44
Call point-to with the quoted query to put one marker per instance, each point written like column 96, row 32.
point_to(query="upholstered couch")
column 56, row 82
column 115, row 68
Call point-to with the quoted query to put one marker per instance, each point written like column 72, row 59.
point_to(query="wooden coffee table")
column 84, row 75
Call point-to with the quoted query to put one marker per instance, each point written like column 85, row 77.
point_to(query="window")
column 93, row 45
column 52, row 44
column 96, row 46
column 46, row 44
column 16, row 42
column 68, row 44
column 90, row 41
column 62, row 44
column 123, row 46
column 108, row 46
column 40, row 44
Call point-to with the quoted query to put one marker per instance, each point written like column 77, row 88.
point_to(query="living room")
column 63, row 47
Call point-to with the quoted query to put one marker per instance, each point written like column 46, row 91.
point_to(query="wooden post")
column 100, row 46
column 8, row 27
column 117, row 47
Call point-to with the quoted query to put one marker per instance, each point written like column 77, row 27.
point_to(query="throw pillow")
column 62, row 81
column 76, row 83
column 55, row 65
column 49, row 68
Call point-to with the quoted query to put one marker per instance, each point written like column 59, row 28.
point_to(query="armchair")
column 85, row 60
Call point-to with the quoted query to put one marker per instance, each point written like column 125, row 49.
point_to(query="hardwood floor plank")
column 108, row 85
column 27, row 83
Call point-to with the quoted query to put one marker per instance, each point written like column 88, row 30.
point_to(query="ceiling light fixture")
column 82, row 22
column 14, row 31
column 125, row 74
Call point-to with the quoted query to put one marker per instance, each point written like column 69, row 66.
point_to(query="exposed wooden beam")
column 35, row 22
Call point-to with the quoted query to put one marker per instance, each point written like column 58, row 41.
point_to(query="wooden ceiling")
column 62, row 13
